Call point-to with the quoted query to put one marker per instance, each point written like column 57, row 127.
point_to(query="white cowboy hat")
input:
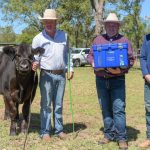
column 112, row 17
column 49, row 14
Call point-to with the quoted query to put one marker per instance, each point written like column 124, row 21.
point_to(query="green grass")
column 87, row 114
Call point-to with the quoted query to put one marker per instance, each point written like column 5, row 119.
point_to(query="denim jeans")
column 147, row 106
column 111, row 95
column 52, row 91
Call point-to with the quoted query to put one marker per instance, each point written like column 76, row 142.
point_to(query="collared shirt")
column 56, row 52
column 145, row 55
column 105, row 39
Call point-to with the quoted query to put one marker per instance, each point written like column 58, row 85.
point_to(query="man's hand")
column 96, row 69
column 99, row 69
column 35, row 65
column 93, row 64
column 70, row 76
column 114, row 71
column 147, row 78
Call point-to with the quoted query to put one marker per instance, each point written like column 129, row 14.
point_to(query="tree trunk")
column 98, row 6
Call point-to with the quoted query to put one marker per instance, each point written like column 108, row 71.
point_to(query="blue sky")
column 19, row 27
column 145, row 9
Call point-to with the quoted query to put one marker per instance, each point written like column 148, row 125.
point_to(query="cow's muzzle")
column 23, row 66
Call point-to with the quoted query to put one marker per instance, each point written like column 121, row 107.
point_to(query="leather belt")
column 113, row 77
column 54, row 71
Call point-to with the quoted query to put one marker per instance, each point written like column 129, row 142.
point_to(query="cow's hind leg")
column 13, row 113
column 14, row 118
column 26, row 108
column 6, row 112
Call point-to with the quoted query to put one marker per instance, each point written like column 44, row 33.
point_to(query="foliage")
column 77, row 21
column 75, row 17
column 132, row 31
column 133, row 26
column 146, row 23
column 7, row 35
column 27, row 11
column 26, row 36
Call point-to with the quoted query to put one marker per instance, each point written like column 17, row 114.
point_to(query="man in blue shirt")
column 53, row 65
column 145, row 67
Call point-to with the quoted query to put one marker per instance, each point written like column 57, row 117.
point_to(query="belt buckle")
column 56, row 72
column 105, row 76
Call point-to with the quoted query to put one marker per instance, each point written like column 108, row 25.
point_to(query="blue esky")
column 18, row 27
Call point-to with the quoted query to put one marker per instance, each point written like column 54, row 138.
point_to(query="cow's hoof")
column 24, row 127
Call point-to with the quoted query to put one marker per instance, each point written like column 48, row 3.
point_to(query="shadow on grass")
column 136, row 68
column 132, row 133
column 68, row 128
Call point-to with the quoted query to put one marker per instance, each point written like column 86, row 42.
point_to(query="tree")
column 133, row 26
column 146, row 23
column 26, row 36
column 76, row 19
column 26, row 11
column 98, row 9
column 133, row 21
column 7, row 35
column 75, row 16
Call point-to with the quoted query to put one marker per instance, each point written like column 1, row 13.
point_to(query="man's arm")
column 143, row 60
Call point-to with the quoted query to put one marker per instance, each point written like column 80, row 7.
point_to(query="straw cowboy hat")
column 49, row 14
column 112, row 17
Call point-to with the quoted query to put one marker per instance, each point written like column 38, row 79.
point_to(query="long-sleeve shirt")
column 145, row 55
column 104, row 39
column 56, row 52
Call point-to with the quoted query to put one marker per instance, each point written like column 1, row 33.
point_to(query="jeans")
column 111, row 95
column 52, row 91
column 147, row 106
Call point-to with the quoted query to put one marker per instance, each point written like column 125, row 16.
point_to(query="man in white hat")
column 110, row 84
column 53, row 65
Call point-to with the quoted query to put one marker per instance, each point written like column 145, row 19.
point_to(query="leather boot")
column 145, row 144
column 46, row 138
column 103, row 141
column 123, row 145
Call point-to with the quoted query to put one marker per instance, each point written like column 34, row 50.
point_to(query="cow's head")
column 22, row 56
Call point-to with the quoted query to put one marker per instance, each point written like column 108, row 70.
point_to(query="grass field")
column 87, row 116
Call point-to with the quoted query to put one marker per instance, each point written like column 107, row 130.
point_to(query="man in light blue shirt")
column 53, row 64
column 145, row 68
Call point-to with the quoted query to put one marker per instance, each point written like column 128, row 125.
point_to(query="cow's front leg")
column 24, row 126
column 13, row 131
column 25, row 112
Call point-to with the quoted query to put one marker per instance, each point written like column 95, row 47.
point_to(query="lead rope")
column 26, row 136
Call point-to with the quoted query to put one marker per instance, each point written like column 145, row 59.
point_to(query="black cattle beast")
column 18, row 82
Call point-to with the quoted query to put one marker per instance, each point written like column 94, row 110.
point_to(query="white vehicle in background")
column 79, row 56
column 1, row 48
